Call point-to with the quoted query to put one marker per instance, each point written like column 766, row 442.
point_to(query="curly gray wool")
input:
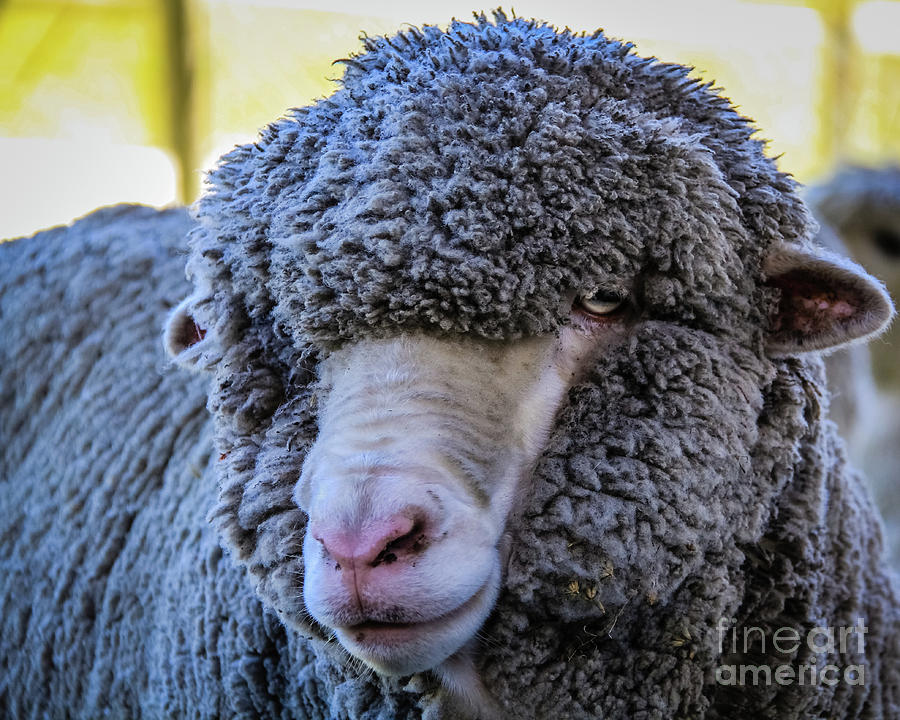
column 459, row 181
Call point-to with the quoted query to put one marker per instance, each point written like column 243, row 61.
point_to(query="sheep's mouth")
column 402, row 648
column 380, row 632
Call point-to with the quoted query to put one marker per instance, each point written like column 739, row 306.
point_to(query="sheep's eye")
column 599, row 303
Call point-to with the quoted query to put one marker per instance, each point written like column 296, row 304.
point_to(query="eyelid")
column 599, row 304
column 603, row 296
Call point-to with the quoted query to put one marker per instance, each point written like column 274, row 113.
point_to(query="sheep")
column 510, row 347
column 861, row 206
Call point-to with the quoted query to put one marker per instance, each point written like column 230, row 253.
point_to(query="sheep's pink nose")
column 378, row 541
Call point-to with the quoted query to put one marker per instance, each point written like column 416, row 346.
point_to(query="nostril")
column 377, row 542
column 411, row 543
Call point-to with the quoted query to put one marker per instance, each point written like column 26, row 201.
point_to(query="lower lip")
column 387, row 634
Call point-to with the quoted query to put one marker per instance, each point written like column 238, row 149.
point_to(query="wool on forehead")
column 470, row 180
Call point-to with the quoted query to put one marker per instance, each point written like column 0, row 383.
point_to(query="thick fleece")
column 465, row 181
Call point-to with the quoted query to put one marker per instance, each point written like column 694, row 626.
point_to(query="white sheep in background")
column 859, row 209
column 507, row 348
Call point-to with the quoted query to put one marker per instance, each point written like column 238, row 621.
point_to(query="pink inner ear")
column 185, row 332
column 197, row 334
column 809, row 308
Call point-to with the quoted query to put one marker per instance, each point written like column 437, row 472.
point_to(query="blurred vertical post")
column 839, row 81
column 181, row 95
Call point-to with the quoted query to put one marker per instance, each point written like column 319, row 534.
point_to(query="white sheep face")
column 422, row 451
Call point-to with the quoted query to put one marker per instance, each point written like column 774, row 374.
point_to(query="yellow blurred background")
column 103, row 101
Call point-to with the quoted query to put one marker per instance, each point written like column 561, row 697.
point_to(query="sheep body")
column 117, row 600
column 690, row 479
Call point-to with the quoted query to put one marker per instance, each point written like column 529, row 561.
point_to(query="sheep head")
column 506, row 282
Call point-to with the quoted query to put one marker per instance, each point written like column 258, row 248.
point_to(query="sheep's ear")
column 183, row 335
column 825, row 301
